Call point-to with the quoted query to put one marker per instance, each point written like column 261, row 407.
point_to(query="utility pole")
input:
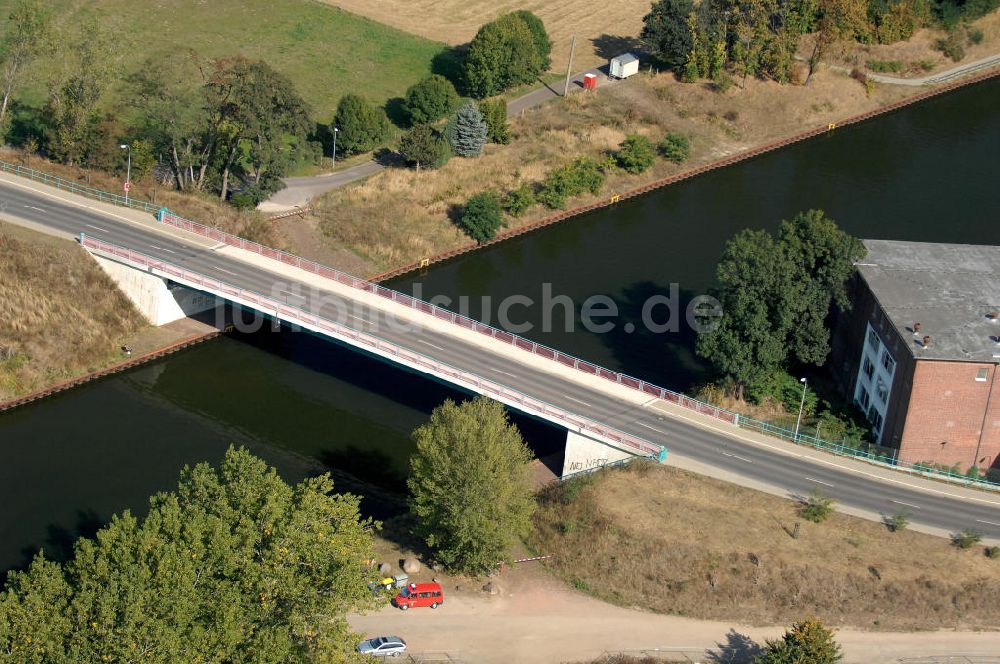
column 801, row 406
column 569, row 66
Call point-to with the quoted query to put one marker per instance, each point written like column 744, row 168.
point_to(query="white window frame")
column 982, row 374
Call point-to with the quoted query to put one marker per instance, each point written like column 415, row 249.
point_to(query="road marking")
column 737, row 456
column 169, row 251
column 505, row 373
column 649, row 427
column 363, row 320
column 578, row 401
column 32, row 207
column 992, row 523
column 222, row 269
column 293, row 294
column 430, row 344
column 98, row 228
column 811, row 479
column 900, row 502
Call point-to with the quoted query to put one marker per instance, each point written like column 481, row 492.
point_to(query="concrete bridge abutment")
column 159, row 300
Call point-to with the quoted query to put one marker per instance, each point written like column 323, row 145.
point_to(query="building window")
column 873, row 339
column 882, row 391
column 863, row 397
column 982, row 374
column 868, row 368
column 888, row 362
column 876, row 419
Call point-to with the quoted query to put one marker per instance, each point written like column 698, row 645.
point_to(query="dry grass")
column 675, row 542
column 400, row 216
column 456, row 22
column 60, row 314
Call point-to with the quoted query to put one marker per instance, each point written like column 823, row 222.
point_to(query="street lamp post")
column 802, row 404
column 128, row 170
column 335, row 132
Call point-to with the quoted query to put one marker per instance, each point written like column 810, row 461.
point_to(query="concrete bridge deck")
column 695, row 442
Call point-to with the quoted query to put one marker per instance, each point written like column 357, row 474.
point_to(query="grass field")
column 675, row 542
column 325, row 51
column 59, row 313
column 602, row 29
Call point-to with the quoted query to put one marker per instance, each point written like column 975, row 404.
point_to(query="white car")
column 383, row 646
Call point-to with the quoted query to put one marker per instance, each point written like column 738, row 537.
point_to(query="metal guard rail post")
column 650, row 389
column 291, row 313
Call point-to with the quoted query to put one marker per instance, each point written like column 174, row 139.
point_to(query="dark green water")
column 926, row 173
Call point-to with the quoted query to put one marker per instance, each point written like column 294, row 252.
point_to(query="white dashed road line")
column 737, row 456
column 98, row 228
column 900, row 502
column 811, row 479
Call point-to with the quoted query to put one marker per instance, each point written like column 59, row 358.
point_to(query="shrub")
column 993, row 552
column 885, row 66
column 467, row 131
column 430, row 99
column 817, row 507
column 422, row 146
column 951, row 46
column 975, row 36
column 897, row 522
column 675, row 147
column 494, row 112
column 583, row 174
column 517, row 202
column 966, row 539
column 807, row 642
column 363, row 127
column 482, row 216
column 635, row 154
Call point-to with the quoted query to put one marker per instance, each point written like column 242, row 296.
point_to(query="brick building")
column 920, row 349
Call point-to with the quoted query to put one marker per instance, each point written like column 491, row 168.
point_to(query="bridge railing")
column 364, row 340
column 77, row 188
column 541, row 350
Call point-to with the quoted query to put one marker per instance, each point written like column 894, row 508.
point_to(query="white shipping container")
column 624, row 66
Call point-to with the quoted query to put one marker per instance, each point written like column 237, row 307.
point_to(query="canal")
column 925, row 173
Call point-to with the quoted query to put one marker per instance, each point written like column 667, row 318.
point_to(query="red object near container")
column 589, row 81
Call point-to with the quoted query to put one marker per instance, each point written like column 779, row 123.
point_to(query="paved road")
column 934, row 505
column 299, row 191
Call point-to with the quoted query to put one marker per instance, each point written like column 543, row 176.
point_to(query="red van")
column 420, row 594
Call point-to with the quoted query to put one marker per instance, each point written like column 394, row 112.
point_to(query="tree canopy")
column 776, row 296
column 29, row 27
column 807, row 642
column 469, row 485
column 665, row 31
column 430, row 99
column 482, row 216
column 363, row 126
column 235, row 565
column 506, row 52
column 423, row 147
column 468, row 131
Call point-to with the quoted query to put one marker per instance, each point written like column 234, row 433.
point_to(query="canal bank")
column 305, row 404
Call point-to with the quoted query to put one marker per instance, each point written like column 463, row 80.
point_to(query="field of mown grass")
column 674, row 542
column 326, row 51
column 60, row 315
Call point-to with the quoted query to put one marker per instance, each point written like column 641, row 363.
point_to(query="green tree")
column 482, row 216
column 820, row 258
column 88, row 62
column 28, row 26
column 543, row 45
column 675, row 147
column 363, row 127
column 235, row 565
column 666, row 34
column 469, row 485
column 817, row 507
column 495, row 114
column 807, row 642
column 635, row 154
column 468, row 131
column 422, row 146
column 256, row 109
column 172, row 113
column 502, row 54
column 430, row 99
column 747, row 343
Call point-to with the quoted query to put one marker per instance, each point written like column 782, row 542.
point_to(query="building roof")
column 625, row 58
column 950, row 289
